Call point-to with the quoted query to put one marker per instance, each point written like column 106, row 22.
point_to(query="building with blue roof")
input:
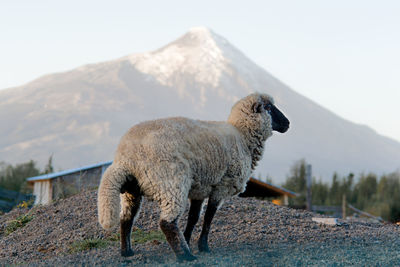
column 53, row 186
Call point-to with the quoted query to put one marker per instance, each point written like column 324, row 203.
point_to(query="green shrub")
column 19, row 222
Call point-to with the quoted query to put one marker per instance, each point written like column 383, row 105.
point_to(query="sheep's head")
column 265, row 105
column 256, row 117
column 257, row 112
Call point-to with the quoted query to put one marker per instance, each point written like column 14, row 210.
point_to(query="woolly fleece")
column 175, row 159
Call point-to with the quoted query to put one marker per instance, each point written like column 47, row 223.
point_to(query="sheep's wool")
column 176, row 158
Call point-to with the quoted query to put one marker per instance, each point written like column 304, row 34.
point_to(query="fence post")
column 309, row 183
column 344, row 206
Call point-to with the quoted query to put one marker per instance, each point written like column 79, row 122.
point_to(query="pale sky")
column 343, row 54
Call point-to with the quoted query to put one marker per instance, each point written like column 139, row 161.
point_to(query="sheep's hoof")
column 203, row 247
column 186, row 257
column 127, row 253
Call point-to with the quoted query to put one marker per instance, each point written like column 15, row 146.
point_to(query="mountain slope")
column 79, row 115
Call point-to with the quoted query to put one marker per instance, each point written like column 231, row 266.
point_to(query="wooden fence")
column 9, row 199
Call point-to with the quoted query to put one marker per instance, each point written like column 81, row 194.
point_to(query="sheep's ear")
column 257, row 107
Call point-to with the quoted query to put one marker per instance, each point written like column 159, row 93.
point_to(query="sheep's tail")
column 108, row 197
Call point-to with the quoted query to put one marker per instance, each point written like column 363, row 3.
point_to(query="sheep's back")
column 205, row 150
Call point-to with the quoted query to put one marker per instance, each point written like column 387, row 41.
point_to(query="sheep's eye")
column 268, row 108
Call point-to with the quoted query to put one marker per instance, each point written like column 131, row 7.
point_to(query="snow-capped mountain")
column 79, row 115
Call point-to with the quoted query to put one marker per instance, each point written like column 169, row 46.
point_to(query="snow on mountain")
column 79, row 115
column 197, row 52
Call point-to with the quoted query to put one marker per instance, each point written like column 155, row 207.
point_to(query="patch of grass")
column 114, row 237
column 19, row 222
column 139, row 236
column 87, row 244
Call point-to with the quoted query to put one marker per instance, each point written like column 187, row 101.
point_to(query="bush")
column 19, row 222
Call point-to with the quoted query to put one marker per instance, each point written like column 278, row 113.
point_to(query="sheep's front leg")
column 194, row 214
column 212, row 208
column 176, row 241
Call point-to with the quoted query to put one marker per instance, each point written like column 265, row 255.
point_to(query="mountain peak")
column 198, row 36
column 200, row 31
column 198, row 52
column 204, row 56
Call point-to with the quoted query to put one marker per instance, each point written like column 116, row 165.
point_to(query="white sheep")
column 175, row 159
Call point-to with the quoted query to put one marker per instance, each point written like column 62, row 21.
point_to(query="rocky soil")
column 244, row 232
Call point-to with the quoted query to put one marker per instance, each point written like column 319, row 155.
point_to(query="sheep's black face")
column 279, row 122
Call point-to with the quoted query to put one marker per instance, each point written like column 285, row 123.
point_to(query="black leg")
column 212, row 207
column 125, row 232
column 130, row 206
column 176, row 240
column 194, row 213
column 126, row 224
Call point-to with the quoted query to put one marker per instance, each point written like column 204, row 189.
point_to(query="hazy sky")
column 343, row 54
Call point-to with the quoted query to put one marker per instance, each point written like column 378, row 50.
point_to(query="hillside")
column 244, row 232
column 79, row 115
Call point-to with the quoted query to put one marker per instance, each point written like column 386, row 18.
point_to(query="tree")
column 320, row 192
column 388, row 192
column 335, row 196
column 296, row 182
column 365, row 191
column 49, row 166
column 14, row 177
column 347, row 187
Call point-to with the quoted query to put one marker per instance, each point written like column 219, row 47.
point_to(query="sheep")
column 174, row 160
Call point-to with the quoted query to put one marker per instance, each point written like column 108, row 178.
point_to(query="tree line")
column 379, row 196
column 13, row 177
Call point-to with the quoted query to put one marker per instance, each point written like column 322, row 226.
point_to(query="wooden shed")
column 257, row 188
column 62, row 184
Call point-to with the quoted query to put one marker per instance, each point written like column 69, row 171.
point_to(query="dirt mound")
column 244, row 232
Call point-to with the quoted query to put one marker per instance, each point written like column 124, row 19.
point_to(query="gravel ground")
column 244, row 232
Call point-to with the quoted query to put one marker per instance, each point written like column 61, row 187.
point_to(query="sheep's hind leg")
column 194, row 214
column 130, row 205
column 212, row 208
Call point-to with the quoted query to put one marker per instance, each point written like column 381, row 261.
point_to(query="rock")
column 326, row 221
